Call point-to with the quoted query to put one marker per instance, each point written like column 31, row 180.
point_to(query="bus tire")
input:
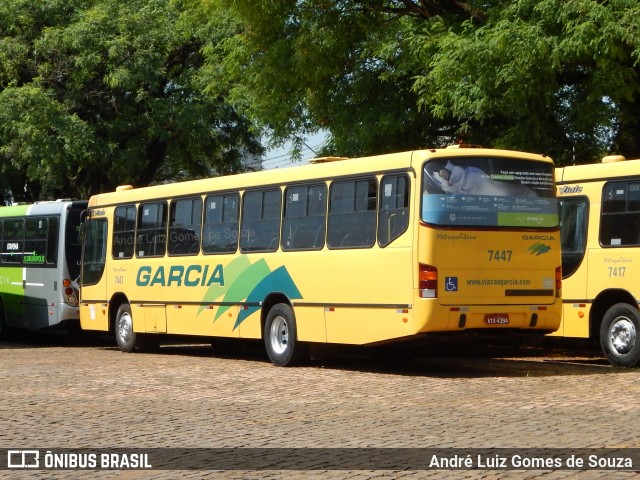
column 620, row 335
column 280, row 337
column 125, row 336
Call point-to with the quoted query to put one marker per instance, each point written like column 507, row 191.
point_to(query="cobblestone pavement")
column 59, row 392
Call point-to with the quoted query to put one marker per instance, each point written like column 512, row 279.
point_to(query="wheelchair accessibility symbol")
column 451, row 284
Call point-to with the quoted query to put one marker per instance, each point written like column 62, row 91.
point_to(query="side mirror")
column 83, row 226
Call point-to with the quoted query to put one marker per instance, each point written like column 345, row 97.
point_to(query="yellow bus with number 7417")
column 365, row 251
column 600, row 233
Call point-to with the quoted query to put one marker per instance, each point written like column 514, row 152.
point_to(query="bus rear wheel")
column 125, row 336
column 281, row 337
column 620, row 335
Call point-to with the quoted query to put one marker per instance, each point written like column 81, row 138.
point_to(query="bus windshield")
column 489, row 192
column 573, row 232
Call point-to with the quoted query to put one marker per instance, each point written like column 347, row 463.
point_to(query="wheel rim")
column 125, row 327
column 279, row 335
column 622, row 335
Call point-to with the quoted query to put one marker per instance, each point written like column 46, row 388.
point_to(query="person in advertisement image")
column 473, row 180
column 489, row 192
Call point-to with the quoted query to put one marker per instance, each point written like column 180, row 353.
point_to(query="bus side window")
column 184, row 226
column 393, row 217
column 152, row 230
column 620, row 214
column 633, row 206
column 352, row 214
column 304, row 220
column 260, row 225
column 52, row 240
column 614, row 198
column 124, row 225
column 620, row 230
column 220, row 230
column 35, row 240
column 12, row 240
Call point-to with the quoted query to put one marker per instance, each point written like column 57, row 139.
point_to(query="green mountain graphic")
column 250, row 283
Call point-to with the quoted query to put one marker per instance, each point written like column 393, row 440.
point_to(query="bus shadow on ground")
column 547, row 357
column 19, row 339
column 465, row 365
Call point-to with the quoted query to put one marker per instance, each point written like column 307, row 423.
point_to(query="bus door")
column 94, row 306
column 574, row 213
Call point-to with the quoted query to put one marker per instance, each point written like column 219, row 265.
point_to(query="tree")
column 550, row 76
column 296, row 67
column 96, row 93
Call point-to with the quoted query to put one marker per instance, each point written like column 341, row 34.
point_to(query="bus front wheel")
column 280, row 337
column 125, row 336
column 620, row 335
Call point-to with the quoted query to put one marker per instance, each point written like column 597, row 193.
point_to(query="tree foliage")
column 551, row 76
column 301, row 66
column 96, row 93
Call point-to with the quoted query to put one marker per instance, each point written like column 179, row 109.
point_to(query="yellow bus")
column 600, row 232
column 348, row 251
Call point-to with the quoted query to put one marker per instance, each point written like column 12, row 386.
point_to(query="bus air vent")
column 327, row 159
column 463, row 145
column 613, row 158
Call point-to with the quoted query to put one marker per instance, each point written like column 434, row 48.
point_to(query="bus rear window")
column 489, row 192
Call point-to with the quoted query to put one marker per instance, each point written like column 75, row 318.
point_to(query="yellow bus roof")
column 611, row 167
column 312, row 171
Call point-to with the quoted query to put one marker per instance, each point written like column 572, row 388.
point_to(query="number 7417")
column 617, row 271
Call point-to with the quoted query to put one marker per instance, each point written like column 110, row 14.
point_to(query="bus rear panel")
column 40, row 265
column 489, row 255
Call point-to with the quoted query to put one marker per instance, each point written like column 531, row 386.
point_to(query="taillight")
column 427, row 281
column 70, row 292
column 558, row 282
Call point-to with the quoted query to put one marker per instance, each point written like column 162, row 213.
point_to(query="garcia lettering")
column 538, row 237
column 178, row 275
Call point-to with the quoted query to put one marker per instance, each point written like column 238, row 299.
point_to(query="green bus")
column 40, row 255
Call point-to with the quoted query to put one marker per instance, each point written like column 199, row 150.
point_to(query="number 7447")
column 499, row 255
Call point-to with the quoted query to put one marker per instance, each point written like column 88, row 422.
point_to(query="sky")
column 281, row 157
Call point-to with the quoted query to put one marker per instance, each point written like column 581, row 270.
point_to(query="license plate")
column 497, row 319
